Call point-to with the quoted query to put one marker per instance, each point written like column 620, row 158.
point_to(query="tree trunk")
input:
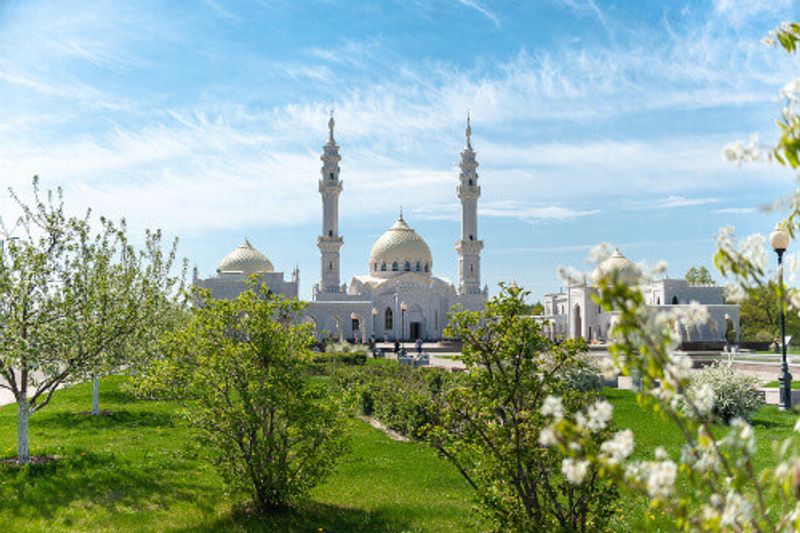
column 23, row 447
column 95, row 395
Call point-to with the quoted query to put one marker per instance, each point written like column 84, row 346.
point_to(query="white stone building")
column 573, row 313
column 399, row 297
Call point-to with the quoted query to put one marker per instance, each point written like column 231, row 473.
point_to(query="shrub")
column 581, row 374
column 494, row 426
column 405, row 399
column 736, row 394
column 273, row 432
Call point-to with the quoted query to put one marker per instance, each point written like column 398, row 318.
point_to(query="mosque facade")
column 399, row 298
column 575, row 314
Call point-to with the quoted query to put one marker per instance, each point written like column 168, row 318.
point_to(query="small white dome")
column 245, row 260
column 400, row 249
column 624, row 270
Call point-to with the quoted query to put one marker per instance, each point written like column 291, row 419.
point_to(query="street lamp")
column 780, row 239
column 403, row 308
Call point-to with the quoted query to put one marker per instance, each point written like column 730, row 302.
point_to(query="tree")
column 59, row 314
column 759, row 314
column 699, row 276
column 534, row 309
column 725, row 484
column 128, row 299
column 241, row 367
column 492, row 425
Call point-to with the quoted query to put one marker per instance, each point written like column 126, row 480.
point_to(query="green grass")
column 776, row 384
column 771, row 425
column 141, row 469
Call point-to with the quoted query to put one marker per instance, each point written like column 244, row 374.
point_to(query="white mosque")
column 400, row 297
column 574, row 313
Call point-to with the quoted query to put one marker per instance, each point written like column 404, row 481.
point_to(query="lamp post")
column 403, row 308
column 780, row 239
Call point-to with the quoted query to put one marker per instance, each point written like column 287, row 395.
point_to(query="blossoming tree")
column 70, row 298
column 723, row 488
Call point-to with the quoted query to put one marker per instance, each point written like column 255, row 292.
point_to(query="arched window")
column 332, row 176
column 383, row 267
column 395, row 268
column 426, row 267
column 470, row 181
column 471, row 269
column 419, row 266
column 471, row 237
column 375, row 267
column 674, row 300
column 388, row 319
column 407, row 266
column 330, row 265
column 658, row 300
column 330, row 233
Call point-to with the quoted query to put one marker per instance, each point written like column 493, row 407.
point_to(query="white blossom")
column 737, row 510
column 553, row 407
column 694, row 315
column 734, row 293
column 598, row 415
column 740, row 153
column 618, row 448
column 704, row 398
column 547, row 437
column 570, row 276
column 661, row 478
column 574, row 470
column 790, row 90
column 608, row 368
column 752, row 249
column 659, row 268
column 600, row 253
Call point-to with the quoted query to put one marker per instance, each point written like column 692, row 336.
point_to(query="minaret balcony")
column 469, row 192
column 330, row 186
column 467, row 246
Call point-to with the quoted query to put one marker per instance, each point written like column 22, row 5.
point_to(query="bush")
column 405, row 399
column 345, row 358
column 736, row 394
column 582, row 374
column 273, row 432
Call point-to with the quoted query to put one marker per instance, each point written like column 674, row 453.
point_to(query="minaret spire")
column 329, row 243
column 469, row 132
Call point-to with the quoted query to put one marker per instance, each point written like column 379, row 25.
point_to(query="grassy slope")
column 141, row 469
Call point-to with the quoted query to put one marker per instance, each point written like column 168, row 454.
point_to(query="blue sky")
column 593, row 121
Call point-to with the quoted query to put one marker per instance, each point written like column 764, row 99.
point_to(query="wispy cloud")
column 587, row 6
column 483, row 10
column 737, row 211
column 672, row 202
column 506, row 209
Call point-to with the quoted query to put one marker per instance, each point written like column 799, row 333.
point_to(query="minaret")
column 469, row 247
column 330, row 242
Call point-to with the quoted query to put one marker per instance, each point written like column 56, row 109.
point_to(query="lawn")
column 141, row 468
